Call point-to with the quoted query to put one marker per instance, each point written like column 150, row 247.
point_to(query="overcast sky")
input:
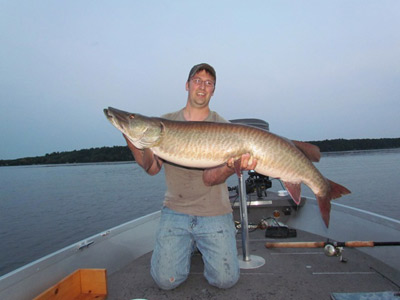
column 314, row 70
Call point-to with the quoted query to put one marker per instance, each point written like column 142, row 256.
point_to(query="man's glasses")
column 198, row 81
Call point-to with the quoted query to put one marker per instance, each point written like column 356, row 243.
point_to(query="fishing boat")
column 285, row 252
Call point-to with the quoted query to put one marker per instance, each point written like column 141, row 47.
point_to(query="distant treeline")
column 92, row 155
column 356, row 144
column 122, row 153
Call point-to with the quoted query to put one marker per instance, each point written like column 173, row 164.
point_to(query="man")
column 197, row 211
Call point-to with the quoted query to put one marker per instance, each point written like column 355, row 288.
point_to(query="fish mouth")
column 116, row 115
column 108, row 116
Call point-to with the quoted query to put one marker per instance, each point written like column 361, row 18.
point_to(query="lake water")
column 45, row 208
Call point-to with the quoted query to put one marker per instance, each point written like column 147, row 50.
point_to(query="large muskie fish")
column 207, row 144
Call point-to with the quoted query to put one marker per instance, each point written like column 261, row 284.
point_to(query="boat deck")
column 289, row 273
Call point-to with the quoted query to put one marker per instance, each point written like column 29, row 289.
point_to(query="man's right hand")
column 145, row 158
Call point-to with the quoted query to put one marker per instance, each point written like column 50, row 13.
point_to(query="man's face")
column 200, row 92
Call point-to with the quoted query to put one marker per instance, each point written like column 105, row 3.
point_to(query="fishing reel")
column 257, row 183
column 331, row 249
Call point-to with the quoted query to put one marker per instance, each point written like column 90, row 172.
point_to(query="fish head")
column 142, row 132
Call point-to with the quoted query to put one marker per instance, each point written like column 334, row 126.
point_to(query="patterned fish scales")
column 202, row 145
column 206, row 145
column 195, row 144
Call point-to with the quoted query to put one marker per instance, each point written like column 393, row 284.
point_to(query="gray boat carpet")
column 367, row 296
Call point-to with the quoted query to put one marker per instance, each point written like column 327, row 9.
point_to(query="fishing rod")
column 331, row 248
column 353, row 244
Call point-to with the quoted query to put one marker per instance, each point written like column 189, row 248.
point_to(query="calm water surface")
column 45, row 208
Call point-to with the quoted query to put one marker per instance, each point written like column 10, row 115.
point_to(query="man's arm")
column 145, row 158
column 221, row 173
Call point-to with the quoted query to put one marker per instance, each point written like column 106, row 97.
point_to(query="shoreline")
column 58, row 158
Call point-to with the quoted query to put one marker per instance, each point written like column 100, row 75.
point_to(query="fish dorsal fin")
column 294, row 190
column 310, row 151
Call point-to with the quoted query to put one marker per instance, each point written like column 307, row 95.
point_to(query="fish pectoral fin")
column 134, row 142
column 294, row 190
column 310, row 151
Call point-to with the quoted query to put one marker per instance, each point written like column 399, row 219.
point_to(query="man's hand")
column 219, row 174
column 145, row 158
column 245, row 163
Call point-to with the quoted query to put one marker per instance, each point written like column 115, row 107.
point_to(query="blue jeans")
column 177, row 237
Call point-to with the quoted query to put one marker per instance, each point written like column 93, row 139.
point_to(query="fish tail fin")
column 324, row 202
column 337, row 190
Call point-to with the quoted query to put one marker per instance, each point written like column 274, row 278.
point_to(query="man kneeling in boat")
column 196, row 210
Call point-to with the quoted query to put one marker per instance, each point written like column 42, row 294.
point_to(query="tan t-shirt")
column 186, row 192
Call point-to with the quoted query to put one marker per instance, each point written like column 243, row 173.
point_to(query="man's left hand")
column 247, row 162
